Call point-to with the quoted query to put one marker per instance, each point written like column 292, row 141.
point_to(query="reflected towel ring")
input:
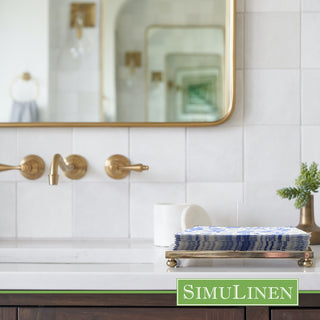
column 26, row 76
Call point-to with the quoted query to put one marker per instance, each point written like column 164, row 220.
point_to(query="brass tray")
column 305, row 257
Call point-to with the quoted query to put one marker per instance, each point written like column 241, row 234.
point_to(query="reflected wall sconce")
column 156, row 76
column 133, row 60
column 82, row 15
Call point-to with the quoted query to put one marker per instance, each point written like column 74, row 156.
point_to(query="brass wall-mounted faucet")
column 74, row 167
column 118, row 167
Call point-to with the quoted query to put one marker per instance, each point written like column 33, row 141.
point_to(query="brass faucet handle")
column 135, row 167
column 118, row 167
column 31, row 167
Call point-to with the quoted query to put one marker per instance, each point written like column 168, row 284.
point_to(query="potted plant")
column 307, row 183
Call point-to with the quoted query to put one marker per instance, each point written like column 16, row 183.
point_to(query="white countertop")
column 126, row 265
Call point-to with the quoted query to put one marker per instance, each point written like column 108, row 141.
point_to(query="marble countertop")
column 122, row 264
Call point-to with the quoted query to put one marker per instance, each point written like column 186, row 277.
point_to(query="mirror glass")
column 116, row 62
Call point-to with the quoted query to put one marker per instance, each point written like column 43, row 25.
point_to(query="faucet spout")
column 58, row 161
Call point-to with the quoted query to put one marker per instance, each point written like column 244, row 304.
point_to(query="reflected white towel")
column 24, row 111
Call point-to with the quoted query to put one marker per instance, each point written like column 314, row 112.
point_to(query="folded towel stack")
column 242, row 239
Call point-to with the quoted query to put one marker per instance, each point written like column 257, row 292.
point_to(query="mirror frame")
column 230, row 61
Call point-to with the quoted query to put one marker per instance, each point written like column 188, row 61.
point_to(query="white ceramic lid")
column 194, row 215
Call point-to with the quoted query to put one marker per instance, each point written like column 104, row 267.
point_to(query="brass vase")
column 307, row 222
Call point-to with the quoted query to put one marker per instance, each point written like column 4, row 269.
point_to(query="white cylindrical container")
column 167, row 222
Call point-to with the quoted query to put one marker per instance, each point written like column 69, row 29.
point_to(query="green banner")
column 237, row 292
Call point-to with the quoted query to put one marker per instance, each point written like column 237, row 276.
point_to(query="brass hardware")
column 307, row 222
column 118, row 167
column 172, row 263
column 25, row 76
column 156, row 76
column 305, row 257
column 133, row 60
column 87, row 12
column 74, row 167
column 31, row 167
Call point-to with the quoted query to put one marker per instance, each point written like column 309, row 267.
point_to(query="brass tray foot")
column 305, row 263
column 172, row 263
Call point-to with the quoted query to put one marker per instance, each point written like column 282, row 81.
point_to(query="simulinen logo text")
column 240, row 292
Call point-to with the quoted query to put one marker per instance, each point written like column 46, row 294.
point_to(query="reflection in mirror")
column 115, row 61
column 191, row 60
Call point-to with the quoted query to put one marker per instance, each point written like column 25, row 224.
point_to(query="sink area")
column 115, row 251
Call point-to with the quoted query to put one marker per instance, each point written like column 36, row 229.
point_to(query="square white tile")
column 272, row 97
column 45, row 143
column 267, row 43
column 220, row 200
column 263, row 207
column 101, row 210
column 310, row 145
column 310, row 5
column 8, row 201
column 8, row 153
column 272, row 153
column 162, row 149
column 310, row 40
column 310, row 96
column 273, row 5
column 214, row 154
column 97, row 145
column 143, row 197
column 44, row 211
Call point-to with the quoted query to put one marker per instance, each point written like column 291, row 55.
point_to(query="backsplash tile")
column 310, row 111
column 310, row 45
column 262, row 206
column 311, row 5
column 8, row 152
column 163, row 150
column 44, row 211
column 272, row 5
column 214, row 154
column 8, row 220
column 272, row 97
column 267, row 41
column 143, row 196
column 272, row 153
column 101, row 210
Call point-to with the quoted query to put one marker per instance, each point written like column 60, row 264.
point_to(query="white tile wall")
column 233, row 170
column 272, row 97
column 272, row 153
column 272, row 40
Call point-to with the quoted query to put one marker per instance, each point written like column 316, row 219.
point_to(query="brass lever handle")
column 136, row 167
column 118, row 167
column 5, row 167
column 31, row 167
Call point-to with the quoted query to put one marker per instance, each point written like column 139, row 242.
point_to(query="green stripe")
column 108, row 291
column 82, row 291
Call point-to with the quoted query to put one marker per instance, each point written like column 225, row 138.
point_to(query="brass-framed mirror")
column 117, row 63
